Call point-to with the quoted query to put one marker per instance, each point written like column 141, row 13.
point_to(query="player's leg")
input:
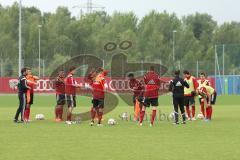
column 31, row 103
column 28, row 107
column 146, row 103
column 69, row 113
column 93, row 111
column 26, row 113
column 154, row 104
column 100, row 110
column 175, row 105
column 70, row 103
column 181, row 106
column 60, row 99
column 208, row 109
column 213, row 101
column 134, row 103
column 192, row 102
column 201, row 102
column 93, row 114
column 20, row 107
column 57, row 110
column 187, row 102
column 210, row 112
column 57, row 113
column 23, row 107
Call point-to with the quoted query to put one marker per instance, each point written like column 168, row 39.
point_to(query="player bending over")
column 32, row 82
column 22, row 90
column 70, row 89
column 189, row 94
column 60, row 95
column 137, row 89
column 152, row 85
column 97, row 82
column 202, row 82
column 209, row 94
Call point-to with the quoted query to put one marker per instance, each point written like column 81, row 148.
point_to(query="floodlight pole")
column 174, row 31
column 39, row 50
column 215, row 58
column 223, row 73
column 223, row 60
column 20, row 39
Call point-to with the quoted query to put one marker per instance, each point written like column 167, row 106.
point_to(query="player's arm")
column 24, row 83
column 209, row 99
column 74, row 83
column 158, row 80
column 208, row 83
column 145, row 79
column 195, row 83
column 36, row 78
column 185, row 84
column 136, row 85
column 170, row 88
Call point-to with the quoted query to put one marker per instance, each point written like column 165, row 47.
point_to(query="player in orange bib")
column 32, row 82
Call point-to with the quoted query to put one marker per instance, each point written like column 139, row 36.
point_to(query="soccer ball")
column 112, row 121
column 39, row 117
column 124, row 116
column 171, row 116
column 200, row 116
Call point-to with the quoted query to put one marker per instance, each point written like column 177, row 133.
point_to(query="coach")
column 177, row 88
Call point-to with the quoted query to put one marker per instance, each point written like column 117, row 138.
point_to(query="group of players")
column 184, row 91
column 145, row 94
column 66, row 88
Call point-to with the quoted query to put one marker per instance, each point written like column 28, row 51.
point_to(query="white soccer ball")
column 200, row 116
column 112, row 121
column 171, row 116
column 39, row 117
column 124, row 116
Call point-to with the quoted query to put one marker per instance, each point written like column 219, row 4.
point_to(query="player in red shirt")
column 137, row 88
column 70, row 90
column 32, row 82
column 60, row 95
column 97, row 82
column 152, row 85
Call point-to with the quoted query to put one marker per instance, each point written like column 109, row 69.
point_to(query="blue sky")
column 221, row 10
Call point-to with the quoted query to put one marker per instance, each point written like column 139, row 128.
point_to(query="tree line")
column 64, row 36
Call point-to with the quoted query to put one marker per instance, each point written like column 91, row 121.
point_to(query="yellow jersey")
column 192, row 86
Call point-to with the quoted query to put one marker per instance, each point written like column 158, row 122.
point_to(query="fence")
column 228, row 85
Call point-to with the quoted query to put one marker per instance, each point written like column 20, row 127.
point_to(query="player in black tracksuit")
column 177, row 88
column 22, row 89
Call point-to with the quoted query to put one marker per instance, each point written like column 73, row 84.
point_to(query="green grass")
column 46, row 139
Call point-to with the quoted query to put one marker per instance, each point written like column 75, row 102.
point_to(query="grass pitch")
column 46, row 139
